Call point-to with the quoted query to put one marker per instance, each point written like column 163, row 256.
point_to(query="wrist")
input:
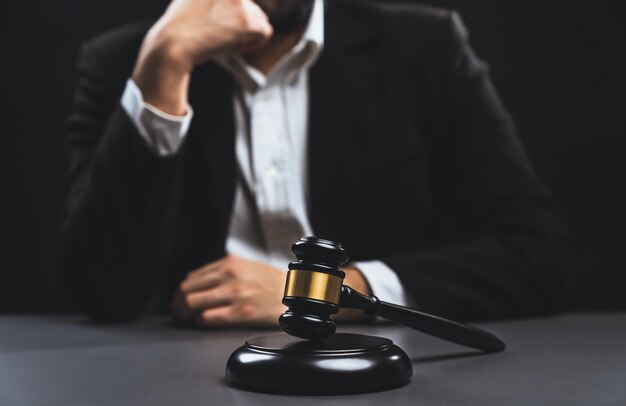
column 163, row 75
column 356, row 280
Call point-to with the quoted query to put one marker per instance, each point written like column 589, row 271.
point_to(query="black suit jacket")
column 413, row 161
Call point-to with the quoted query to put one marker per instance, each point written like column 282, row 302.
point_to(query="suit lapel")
column 211, row 93
column 338, row 84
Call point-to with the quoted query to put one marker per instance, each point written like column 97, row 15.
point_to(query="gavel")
column 314, row 291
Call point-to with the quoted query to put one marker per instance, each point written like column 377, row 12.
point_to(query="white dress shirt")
column 271, row 116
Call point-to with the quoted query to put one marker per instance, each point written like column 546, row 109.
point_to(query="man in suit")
column 204, row 144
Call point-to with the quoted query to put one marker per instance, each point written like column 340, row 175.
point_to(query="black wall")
column 559, row 66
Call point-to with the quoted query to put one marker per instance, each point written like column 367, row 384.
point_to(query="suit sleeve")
column 505, row 253
column 122, row 202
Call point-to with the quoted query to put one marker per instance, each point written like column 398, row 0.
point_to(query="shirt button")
column 272, row 171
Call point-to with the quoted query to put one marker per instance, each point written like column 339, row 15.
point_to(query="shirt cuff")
column 162, row 132
column 383, row 282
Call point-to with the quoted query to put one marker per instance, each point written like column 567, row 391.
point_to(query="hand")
column 231, row 291
column 189, row 33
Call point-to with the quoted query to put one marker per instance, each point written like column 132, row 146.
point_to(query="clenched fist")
column 231, row 291
column 189, row 33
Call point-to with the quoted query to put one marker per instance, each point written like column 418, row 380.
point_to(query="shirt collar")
column 298, row 59
column 315, row 30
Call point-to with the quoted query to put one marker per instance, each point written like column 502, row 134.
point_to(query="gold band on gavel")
column 313, row 285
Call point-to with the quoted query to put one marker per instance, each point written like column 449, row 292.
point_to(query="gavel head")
column 313, row 288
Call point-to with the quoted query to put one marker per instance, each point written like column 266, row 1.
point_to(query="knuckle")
column 243, row 18
column 189, row 300
column 237, row 289
column 231, row 271
column 247, row 311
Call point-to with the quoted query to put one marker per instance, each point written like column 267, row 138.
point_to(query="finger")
column 263, row 28
column 216, row 317
column 208, row 268
column 206, row 281
column 206, row 299
column 259, row 21
column 254, row 9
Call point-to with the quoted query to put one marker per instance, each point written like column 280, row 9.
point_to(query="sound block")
column 341, row 364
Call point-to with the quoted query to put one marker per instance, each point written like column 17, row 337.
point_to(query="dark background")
column 559, row 66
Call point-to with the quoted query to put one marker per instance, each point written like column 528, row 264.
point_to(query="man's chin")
column 286, row 15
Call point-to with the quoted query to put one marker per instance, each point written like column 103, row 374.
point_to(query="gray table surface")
column 569, row 360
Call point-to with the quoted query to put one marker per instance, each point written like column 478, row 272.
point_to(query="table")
column 575, row 359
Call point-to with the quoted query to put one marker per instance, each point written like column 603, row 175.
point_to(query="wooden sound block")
column 341, row 364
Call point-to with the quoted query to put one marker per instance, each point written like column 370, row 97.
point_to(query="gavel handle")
column 439, row 327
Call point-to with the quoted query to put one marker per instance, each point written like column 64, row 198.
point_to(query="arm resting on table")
column 505, row 257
